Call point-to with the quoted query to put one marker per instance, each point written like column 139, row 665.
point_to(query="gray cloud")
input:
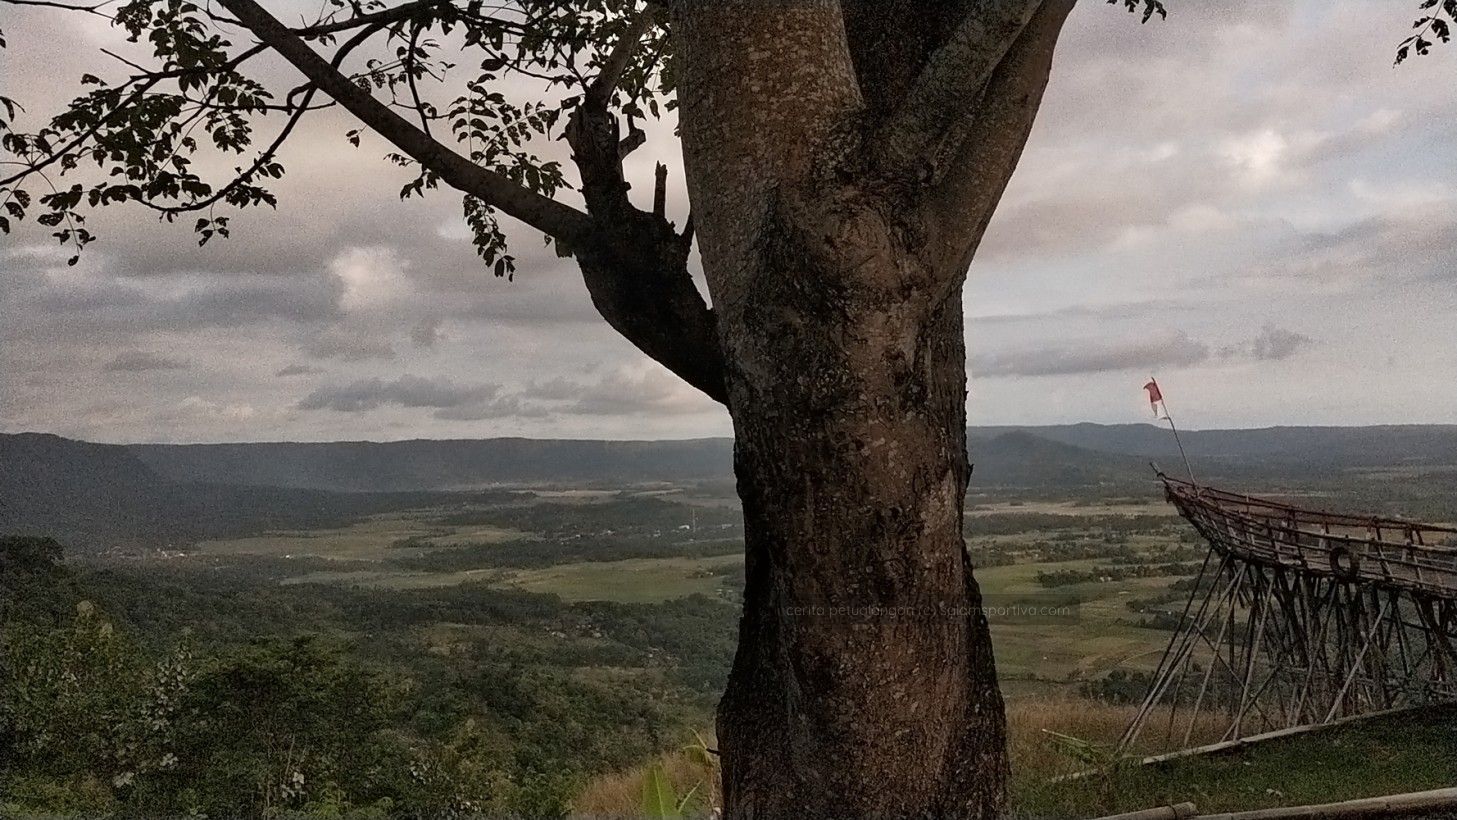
column 557, row 389
column 1181, row 175
column 621, row 391
column 226, row 302
column 350, row 345
column 103, row 301
column 140, row 361
column 1410, row 241
column 1272, row 344
column 1161, row 350
column 426, row 332
column 499, row 408
column 297, row 370
column 406, row 391
column 1150, row 353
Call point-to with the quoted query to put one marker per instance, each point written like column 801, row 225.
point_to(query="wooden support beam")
column 1394, row 804
column 1178, row 811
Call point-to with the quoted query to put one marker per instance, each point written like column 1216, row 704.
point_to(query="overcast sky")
column 1246, row 200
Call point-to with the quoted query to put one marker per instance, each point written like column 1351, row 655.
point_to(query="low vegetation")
column 1052, row 738
column 542, row 650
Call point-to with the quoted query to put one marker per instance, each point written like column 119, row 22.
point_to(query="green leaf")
column 683, row 804
column 658, row 800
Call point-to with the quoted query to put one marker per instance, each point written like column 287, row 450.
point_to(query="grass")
column 1040, row 662
column 396, row 579
column 1100, row 634
column 620, row 794
column 1364, row 759
column 1047, row 656
column 371, row 539
column 1378, row 757
column 635, row 580
column 1070, row 508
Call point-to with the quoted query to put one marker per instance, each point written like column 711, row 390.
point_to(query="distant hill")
column 1008, row 456
column 1422, row 445
column 1020, row 459
column 80, row 491
column 101, row 495
column 97, row 496
column 1015, row 458
column 439, row 464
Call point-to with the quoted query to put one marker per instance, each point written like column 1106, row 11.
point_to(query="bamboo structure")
column 1303, row 618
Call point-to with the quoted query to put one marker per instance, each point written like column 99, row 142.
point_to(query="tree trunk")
column 863, row 683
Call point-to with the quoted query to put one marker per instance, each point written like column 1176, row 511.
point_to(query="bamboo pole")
column 1365, row 807
column 1178, row 811
column 1225, row 746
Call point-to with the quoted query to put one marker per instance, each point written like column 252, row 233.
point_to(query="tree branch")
column 562, row 221
column 385, row 17
column 600, row 91
column 634, row 266
column 295, row 113
column 961, row 206
column 394, row 14
column 143, row 83
column 941, row 103
column 890, row 41
column 638, row 274
column 643, row 289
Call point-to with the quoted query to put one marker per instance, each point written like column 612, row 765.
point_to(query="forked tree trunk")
column 864, row 684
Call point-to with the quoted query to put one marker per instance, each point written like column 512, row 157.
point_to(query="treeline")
column 217, row 692
column 622, row 513
column 1111, row 572
column 1014, row 523
column 528, row 554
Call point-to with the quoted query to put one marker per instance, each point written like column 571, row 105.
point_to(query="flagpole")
column 1169, row 417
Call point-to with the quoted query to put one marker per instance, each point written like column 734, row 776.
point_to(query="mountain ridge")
column 162, row 495
column 465, row 463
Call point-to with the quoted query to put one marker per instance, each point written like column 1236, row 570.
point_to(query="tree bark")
column 864, row 683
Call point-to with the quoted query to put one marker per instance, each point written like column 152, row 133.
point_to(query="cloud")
column 298, row 370
column 426, row 332
column 1181, row 175
column 349, row 344
column 627, row 390
column 1271, row 344
column 372, row 277
column 450, row 400
column 1158, row 350
column 406, row 391
column 203, row 408
column 101, row 300
column 1405, row 240
column 140, row 361
column 558, row 389
column 498, row 408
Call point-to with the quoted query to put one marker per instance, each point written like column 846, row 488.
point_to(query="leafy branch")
column 1437, row 22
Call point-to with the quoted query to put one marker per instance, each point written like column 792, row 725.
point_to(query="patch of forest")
column 222, row 693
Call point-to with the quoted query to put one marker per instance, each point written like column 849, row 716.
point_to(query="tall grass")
column 1036, row 755
column 620, row 794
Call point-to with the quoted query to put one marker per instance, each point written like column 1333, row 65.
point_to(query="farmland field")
column 627, row 546
column 367, row 540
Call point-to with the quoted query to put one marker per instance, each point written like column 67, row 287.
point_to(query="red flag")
column 1156, row 399
column 1154, row 396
